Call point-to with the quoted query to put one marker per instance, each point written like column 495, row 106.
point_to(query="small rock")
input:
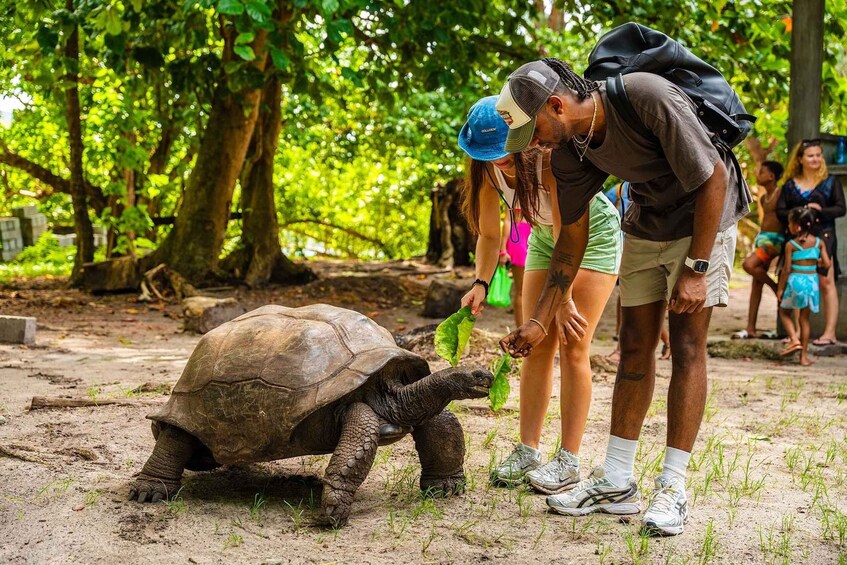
column 79, row 507
column 272, row 562
column 3, row 420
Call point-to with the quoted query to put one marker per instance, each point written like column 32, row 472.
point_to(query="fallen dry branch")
column 45, row 402
column 20, row 452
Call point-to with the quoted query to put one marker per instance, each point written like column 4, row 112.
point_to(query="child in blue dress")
column 798, row 286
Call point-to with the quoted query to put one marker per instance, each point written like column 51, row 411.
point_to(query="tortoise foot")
column 440, row 487
column 336, row 510
column 151, row 489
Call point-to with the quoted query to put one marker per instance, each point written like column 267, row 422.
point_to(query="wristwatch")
column 699, row 266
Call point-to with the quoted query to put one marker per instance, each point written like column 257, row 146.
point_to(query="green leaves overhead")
column 230, row 7
column 452, row 335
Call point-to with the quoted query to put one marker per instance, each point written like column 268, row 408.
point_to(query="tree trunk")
column 451, row 241
column 259, row 259
column 82, row 223
column 193, row 247
column 804, row 96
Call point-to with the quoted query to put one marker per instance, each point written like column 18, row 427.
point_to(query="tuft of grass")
column 175, row 503
column 234, row 540
column 91, row 497
column 60, row 486
column 709, row 550
column 256, row 508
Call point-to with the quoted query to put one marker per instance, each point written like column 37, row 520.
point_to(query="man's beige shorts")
column 650, row 269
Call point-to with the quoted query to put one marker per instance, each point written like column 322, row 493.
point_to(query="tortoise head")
column 467, row 382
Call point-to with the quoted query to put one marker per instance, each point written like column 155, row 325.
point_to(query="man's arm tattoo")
column 559, row 280
column 564, row 258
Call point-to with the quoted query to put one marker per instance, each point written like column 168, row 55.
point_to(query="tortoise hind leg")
column 161, row 475
column 350, row 463
column 440, row 442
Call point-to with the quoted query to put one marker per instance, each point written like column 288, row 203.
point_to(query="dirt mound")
column 381, row 291
column 742, row 349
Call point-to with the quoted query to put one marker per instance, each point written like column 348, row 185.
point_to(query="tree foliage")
column 372, row 96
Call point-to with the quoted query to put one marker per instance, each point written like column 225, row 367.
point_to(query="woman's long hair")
column 794, row 168
column 527, row 184
column 474, row 177
column 526, row 187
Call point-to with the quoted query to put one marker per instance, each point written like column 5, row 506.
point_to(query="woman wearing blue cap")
column 491, row 180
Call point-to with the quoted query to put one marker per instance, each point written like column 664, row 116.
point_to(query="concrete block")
column 32, row 228
column 10, row 225
column 8, row 254
column 25, row 211
column 11, row 242
column 66, row 240
column 17, row 329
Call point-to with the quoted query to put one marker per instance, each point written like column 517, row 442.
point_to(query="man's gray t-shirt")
column 664, row 171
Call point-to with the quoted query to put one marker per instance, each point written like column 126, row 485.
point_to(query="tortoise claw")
column 442, row 487
column 151, row 490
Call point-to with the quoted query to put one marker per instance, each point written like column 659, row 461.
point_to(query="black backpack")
column 633, row 47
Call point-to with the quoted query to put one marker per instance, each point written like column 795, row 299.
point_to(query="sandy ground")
column 766, row 483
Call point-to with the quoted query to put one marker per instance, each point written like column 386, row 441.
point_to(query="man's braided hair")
column 583, row 87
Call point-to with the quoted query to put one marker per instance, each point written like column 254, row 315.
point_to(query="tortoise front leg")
column 441, row 447
column 350, row 463
column 161, row 475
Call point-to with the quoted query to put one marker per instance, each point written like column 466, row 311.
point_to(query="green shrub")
column 45, row 258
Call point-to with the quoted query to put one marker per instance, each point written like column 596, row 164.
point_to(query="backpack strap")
column 616, row 92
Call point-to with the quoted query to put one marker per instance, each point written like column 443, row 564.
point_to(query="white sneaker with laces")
column 557, row 475
column 668, row 510
column 597, row 494
column 512, row 471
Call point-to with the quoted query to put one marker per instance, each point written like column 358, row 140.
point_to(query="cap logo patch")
column 489, row 130
column 507, row 117
column 537, row 76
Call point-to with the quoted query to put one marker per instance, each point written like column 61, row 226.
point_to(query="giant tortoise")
column 282, row 382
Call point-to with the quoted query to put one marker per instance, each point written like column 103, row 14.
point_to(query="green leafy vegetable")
column 499, row 391
column 452, row 335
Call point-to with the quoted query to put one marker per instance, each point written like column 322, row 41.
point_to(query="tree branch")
column 342, row 229
column 48, row 177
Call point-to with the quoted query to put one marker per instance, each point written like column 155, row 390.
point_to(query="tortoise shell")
column 251, row 381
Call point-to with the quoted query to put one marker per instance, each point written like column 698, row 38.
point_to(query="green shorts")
column 605, row 242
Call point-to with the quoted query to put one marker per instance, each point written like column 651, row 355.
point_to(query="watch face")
column 701, row 266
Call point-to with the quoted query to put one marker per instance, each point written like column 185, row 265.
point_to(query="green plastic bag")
column 499, row 294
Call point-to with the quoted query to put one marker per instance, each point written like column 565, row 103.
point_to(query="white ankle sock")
column 531, row 449
column 620, row 459
column 676, row 462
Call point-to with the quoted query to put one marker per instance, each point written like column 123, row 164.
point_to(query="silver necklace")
column 582, row 144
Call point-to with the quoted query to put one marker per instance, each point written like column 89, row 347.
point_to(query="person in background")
column 798, row 286
column 768, row 244
column 492, row 179
column 514, row 241
column 808, row 183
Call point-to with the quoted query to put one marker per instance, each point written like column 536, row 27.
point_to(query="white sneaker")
column 512, row 471
column 559, row 474
column 668, row 510
column 597, row 494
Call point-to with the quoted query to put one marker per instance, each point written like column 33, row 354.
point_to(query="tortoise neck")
column 413, row 404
